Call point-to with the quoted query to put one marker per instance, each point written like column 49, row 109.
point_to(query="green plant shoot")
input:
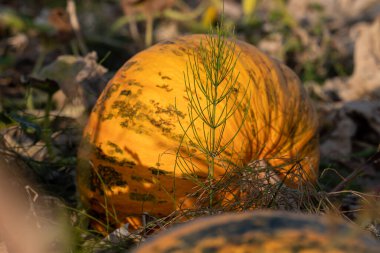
column 214, row 97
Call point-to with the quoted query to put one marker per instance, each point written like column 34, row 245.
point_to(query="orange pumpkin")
column 128, row 154
column 263, row 231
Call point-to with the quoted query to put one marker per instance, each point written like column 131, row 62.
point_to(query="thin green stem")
column 214, row 97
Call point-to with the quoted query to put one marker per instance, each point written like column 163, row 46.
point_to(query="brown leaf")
column 365, row 81
column 80, row 78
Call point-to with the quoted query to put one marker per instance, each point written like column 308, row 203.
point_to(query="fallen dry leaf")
column 81, row 79
column 342, row 125
column 365, row 81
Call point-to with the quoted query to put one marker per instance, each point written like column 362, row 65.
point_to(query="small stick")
column 32, row 199
column 149, row 30
column 375, row 159
column 348, row 179
column 71, row 10
column 133, row 28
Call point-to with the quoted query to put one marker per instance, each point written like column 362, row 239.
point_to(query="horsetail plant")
column 212, row 90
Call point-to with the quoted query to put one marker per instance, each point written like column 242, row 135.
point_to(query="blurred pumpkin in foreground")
column 127, row 160
column 263, row 231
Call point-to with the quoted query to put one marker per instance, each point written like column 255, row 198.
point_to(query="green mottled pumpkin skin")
column 264, row 232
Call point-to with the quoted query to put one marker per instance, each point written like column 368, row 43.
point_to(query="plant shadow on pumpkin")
column 257, row 185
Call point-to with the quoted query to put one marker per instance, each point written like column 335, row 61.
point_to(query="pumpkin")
column 127, row 159
column 262, row 231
